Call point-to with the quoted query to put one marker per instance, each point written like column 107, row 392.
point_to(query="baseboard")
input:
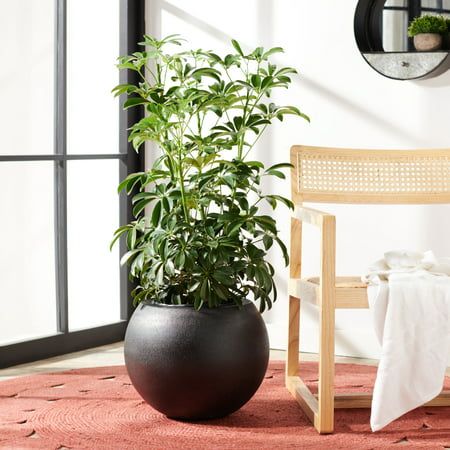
column 358, row 343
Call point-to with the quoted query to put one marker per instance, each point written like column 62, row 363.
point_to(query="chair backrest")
column 336, row 175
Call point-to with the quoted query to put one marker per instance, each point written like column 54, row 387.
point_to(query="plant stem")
column 183, row 193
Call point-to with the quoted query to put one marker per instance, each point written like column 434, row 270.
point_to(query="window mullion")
column 60, row 172
column 132, row 27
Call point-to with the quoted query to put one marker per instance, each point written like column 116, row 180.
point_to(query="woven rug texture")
column 98, row 408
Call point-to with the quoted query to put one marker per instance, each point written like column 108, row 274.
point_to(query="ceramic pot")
column 194, row 365
column 427, row 42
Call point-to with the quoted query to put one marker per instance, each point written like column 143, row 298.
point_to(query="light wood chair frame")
column 375, row 168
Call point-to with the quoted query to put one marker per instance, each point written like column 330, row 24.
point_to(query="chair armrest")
column 312, row 216
column 327, row 226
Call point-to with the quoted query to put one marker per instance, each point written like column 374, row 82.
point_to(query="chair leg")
column 292, row 355
column 326, row 371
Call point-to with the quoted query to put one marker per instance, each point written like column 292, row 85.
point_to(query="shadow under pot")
column 194, row 365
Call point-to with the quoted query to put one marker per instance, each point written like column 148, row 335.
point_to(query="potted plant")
column 196, row 346
column 427, row 32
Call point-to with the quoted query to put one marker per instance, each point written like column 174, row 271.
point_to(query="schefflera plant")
column 205, row 240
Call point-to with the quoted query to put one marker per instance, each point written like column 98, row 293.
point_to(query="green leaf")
column 284, row 250
column 281, row 166
column 255, row 81
column 281, row 199
column 237, row 47
column 131, row 238
column 117, row 234
column 130, row 181
column 160, row 274
column 267, row 223
column 223, row 277
column 266, row 82
column 198, row 303
column 276, row 173
column 123, row 88
column 140, row 206
column 234, row 227
column 170, row 267
column 258, row 164
column 134, row 101
column 180, row 259
column 267, row 241
column 272, row 51
column 272, row 202
column 128, row 256
column 204, row 289
column 156, row 214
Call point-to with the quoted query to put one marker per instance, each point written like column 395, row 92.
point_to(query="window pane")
column 402, row 3
column 27, row 268
column 395, row 26
column 92, row 217
column 26, row 88
column 92, row 49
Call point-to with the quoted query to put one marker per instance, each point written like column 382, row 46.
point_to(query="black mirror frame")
column 367, row 28
column 367, row 31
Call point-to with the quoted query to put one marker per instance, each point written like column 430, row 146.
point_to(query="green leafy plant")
column 205, row 240
column 447, row 21
column 427, row 24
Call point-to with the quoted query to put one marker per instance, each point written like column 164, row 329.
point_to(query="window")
column 61, row 158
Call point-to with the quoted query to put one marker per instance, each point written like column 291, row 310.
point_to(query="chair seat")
column 351, row 292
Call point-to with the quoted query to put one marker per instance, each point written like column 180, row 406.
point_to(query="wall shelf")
column 408, row 65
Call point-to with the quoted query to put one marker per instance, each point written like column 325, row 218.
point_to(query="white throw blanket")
column 409, row 297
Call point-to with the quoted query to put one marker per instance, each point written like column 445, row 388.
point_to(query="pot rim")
column 422, row 34
column 245, row 302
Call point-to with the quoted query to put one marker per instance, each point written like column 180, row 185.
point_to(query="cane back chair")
column 334, row 175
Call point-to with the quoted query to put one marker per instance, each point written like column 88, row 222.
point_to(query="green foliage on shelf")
column 427, row 24
column 205, row 240
column 447, row 21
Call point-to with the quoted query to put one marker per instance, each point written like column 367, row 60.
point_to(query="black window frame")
column 132, row 27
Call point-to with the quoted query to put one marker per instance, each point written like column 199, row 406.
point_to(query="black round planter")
column 194, row 365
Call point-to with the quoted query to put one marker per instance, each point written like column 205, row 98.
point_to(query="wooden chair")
column 334, row 175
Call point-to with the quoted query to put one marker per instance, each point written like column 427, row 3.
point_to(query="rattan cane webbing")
column 385, row 176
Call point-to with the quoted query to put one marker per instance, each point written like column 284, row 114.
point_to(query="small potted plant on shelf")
column 196, row 346
column 427, row 32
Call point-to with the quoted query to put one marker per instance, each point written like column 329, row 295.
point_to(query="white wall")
column 350, row 106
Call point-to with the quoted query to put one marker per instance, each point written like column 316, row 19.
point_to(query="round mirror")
column 381, row 32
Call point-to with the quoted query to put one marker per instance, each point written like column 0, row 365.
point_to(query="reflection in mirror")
column 396, row 16
column 394, row 26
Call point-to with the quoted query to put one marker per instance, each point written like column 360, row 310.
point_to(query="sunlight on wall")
column 350, row 106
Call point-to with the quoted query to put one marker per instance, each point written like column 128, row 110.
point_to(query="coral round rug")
column 98, row 408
